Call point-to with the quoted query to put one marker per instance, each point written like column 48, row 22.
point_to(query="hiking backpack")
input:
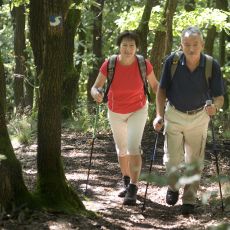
column 208, row 65
column 111, row 68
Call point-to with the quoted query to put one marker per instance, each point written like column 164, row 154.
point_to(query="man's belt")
column 189, row 112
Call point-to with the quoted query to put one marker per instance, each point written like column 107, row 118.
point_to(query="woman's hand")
column 98, row 94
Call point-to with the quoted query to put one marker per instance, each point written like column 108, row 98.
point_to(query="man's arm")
column 217, row 103
column 160, row 102
column 160, row 109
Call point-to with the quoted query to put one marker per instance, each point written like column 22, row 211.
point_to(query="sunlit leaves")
column 17, row 3
column 201, row 17
column 130, row 20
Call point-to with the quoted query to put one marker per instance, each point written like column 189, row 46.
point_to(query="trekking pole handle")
column 100, row 90
column 208, row 103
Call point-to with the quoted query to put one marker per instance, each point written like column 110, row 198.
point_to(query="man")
column 186, row 115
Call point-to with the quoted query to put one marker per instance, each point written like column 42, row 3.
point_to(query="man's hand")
column 158, row 123
column 210, row 108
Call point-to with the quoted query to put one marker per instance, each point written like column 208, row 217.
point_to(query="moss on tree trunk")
column 13, row 192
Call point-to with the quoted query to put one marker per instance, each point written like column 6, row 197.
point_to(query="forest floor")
column 105, row 182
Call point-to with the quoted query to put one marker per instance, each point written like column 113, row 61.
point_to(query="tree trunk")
column 209, row 40
column 52, row 185
column 163, row 40
column 70, row 76
column 222, row 5
column 13, row 192
column 190, row 5
column 36, row 24
column 80, row 52
column 18, row 15
column 97, row 46
column 159, row 44
column 29, row 89
column 169, row 20
column 143, row 28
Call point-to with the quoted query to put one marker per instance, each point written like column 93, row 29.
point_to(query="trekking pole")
column 150, row 168
column 208, row 103
column 93, row 140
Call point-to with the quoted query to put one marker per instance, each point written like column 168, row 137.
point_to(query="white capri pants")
column 128, row 130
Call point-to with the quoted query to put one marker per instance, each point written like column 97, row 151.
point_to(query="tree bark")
column 18, row 14
column 163, row 40
column 190, row 5
column 70, row 76
column 143, row 28
column 159, row 44
column 13, row 192
column 36, row 25
column 209, row 40
column 222, row 5
column 52, row 185
column 169, row 30
column 97, row 46
column 80, row 52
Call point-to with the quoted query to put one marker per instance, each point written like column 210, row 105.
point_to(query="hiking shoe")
column 187, row 209
column 126, row 180
column 131, row 195
column 171, row 197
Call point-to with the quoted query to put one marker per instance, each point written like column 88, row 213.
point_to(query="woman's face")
column 128, row 47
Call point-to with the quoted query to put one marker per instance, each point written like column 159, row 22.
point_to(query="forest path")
column 105, row 182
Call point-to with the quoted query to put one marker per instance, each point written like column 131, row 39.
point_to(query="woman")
column 127, row 109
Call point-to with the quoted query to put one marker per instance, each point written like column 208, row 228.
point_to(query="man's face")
column 192, row 45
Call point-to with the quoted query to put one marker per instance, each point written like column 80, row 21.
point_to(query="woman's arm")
column 99, row 83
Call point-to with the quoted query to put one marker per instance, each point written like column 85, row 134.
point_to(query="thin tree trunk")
column 222, row 5
column 36, row 25
column 169, row 20
column 143, row 28
column 159, row 44
column 209, row 40
column 97, row 46
column 70, row 76
column 80, row 52
column 18, row 14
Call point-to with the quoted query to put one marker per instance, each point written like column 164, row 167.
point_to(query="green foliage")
column 22, row 129
column 201, row 17
column 17, row 3
column 155, row 179
column 221, row 226
column 84, row 122
column 129, row 20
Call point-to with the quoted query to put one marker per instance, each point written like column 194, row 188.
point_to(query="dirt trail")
column 105, row 182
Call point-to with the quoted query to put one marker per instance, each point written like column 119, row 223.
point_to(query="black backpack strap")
column 176, row 58
column 208, row 68
column 111, row 71
column 143, row 71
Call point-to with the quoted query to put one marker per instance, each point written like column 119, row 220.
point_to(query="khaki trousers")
column 185, row 140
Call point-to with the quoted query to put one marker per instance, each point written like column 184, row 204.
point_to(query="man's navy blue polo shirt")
column 189, row 90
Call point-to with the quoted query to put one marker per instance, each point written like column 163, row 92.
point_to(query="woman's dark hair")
column 129, row 34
